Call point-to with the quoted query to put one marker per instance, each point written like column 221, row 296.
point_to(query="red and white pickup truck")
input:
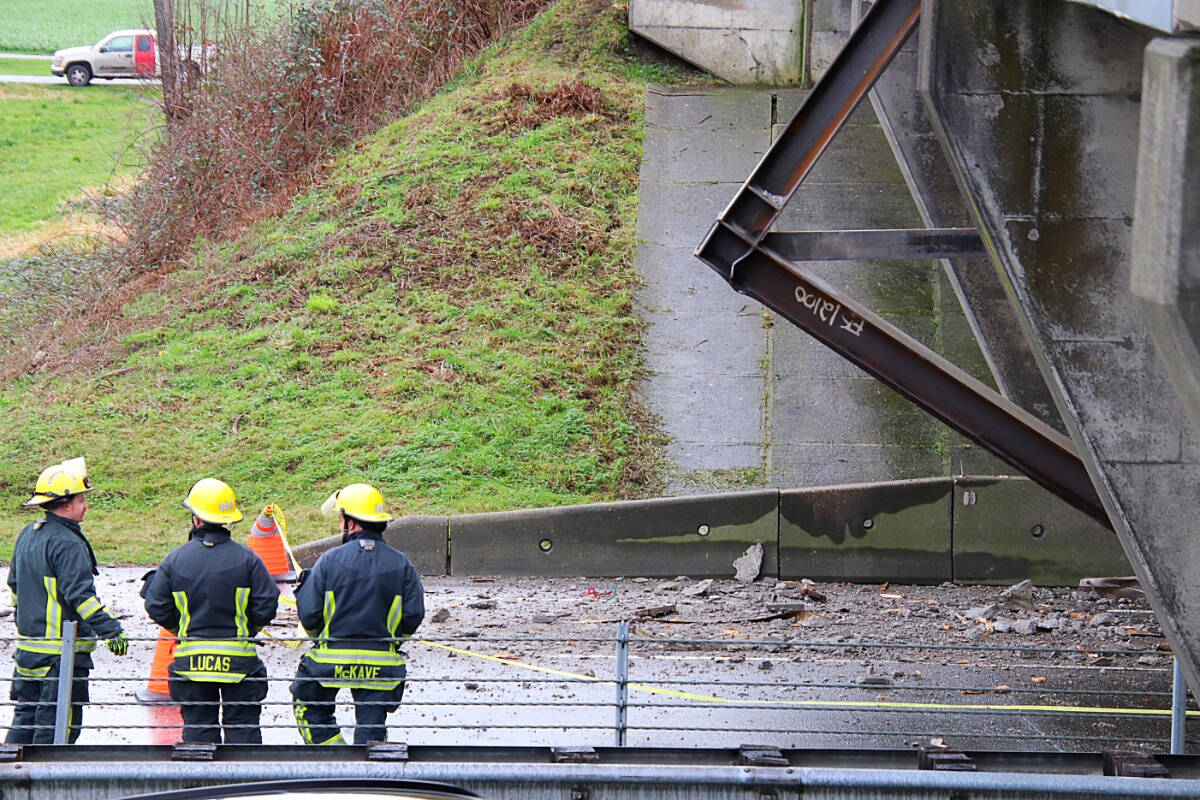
column 122, row 54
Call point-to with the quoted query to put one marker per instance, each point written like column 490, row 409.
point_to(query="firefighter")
column 355, row 599
column 51, row 581
column 215, row 595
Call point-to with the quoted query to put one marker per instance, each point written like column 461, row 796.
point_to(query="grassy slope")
column 55, row 139
column 448, row 315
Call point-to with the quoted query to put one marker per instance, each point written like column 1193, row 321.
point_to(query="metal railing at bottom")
column 628, row 690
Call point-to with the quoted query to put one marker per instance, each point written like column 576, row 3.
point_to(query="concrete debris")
column 1101, row 620
column 813, row 594
column 6, row 612
column 1126, row 587
column 698, row 589
column 668, row 586
column 655, row 611
column 987, row 612
column 765, row 665
column 1018, row 597
column 875, row 680
column 441, row 615
column 1025, row 627
column 482, row 605
column 1002, row 626
column 749, row 565
column 787, row 608
column 544, row 619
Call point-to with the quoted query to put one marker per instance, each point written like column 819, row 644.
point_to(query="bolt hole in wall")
column 702, row 530
column 868, row 523
column 1037, row 531
column 545, row 545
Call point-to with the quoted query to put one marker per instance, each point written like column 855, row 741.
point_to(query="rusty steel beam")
column 896, row 243
column 869, row 50
column 735, row 248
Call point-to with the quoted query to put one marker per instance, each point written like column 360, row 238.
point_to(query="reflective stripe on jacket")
column 214, row 594
column 355, row 598
column 51, row 581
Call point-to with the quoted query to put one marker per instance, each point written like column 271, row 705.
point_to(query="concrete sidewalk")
column 746, row 398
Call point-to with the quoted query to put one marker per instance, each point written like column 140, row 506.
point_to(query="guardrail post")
column 1178, row 709
column 66, row 674
column 622, row 679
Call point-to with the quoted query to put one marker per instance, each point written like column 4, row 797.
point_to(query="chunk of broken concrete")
column 656, row 611
column 441, row 615
column 1018, row 597
column 749, row 564
column 698, row 589
column 1116, row 587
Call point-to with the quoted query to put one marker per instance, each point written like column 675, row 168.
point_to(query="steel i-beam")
column 735, row 247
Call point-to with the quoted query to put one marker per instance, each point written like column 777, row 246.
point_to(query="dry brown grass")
column 256, row 130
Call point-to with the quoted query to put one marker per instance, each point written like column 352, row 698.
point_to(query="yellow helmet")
column 212, row 501
column 60, row 481
column 359, row 501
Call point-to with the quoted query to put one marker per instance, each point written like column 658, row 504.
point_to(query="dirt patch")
column 529, row 108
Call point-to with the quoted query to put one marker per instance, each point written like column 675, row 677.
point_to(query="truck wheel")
column 79, row 74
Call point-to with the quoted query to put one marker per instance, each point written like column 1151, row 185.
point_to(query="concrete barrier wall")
column 759, row 42
column 891, row 531
column 1005, row 527
column 966, row 529
column 663, row 537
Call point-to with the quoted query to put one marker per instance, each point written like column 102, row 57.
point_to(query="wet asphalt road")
column 711, row 677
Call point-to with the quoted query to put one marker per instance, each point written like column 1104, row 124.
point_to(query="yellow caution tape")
column 831, row 705
column 277, row 513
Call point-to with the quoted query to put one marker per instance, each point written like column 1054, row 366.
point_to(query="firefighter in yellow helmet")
column 357, row 601
column 215, row 595
column 51, row 581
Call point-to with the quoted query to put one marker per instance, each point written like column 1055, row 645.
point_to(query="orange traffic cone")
column 156, row 690
column 266, row 542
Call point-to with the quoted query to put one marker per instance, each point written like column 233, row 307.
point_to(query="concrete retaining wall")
column 741, row 42
column 966, row 529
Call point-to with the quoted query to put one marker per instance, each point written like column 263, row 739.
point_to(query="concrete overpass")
column 1065, row 133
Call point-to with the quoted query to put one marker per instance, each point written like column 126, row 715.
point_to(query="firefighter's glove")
column 118, row 645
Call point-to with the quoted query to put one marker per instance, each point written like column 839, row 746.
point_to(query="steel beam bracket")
column 760, row 755
column 10, row 753
column 1133, row 764
column 944, row 759
column 193, row 751
column 387, row 751
column 574, row 755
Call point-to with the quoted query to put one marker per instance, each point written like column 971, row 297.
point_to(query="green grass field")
column 25, row 66
column 55, row 141
column 43, row 26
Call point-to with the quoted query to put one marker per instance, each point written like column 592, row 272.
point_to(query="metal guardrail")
column 644, row 702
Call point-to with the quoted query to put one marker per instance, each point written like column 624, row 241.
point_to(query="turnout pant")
column 35, row 692
column 238, row 705
column 314, row 707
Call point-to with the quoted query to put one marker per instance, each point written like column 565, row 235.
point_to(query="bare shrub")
column 276, row 98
